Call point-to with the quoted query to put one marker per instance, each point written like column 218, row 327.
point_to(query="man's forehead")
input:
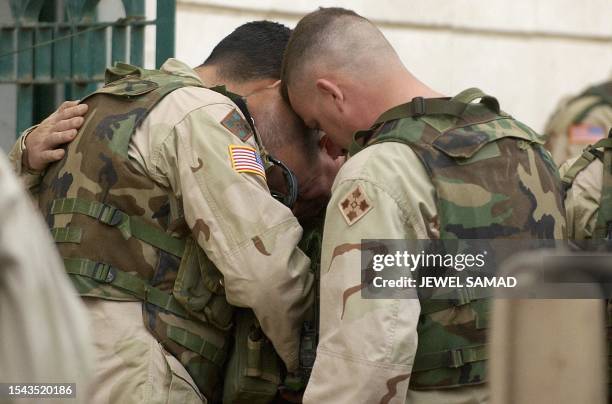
column 301, row 104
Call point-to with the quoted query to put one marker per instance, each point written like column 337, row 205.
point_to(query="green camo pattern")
column 195, row 324
column 493, row 179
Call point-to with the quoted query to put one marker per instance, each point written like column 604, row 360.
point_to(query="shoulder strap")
column 603, row 228
column 455, row 106
column 588, row 155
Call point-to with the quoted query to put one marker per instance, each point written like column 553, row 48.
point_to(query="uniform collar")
column 178, row 68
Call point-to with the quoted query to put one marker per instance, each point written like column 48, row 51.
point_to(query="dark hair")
column 309, row 33
column 253, row 51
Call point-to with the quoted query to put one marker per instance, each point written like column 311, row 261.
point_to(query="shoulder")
column 392, row 168
column 189, row 111
column 180, row 103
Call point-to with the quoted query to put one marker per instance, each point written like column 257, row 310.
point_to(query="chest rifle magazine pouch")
column 253, row 372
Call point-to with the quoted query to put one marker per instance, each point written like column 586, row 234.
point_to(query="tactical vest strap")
column 455, row 106
column 129, row 226
column 191, row 341
column 107, row 274
column 455, row 298
column 67, row 234
column 603, row 227
column 580, row 164
column 453, row 358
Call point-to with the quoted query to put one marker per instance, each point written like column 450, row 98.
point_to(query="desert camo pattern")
column 45, row 334
column 367, row 347
column 180, row 153
column 582, row 199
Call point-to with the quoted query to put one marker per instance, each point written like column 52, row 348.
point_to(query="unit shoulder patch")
column 246, row 159
column 355, row 205
column 236, row 124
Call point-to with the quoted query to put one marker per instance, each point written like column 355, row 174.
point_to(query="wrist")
column 24, row 153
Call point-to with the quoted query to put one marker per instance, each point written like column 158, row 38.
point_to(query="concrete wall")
column 528, row 53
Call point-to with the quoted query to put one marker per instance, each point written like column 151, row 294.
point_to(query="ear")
column 330, row 89
column 329, row 147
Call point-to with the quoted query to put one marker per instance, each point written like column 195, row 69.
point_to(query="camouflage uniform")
column 372, row 350
column 183, row 147
column 579, row 121
column 588, row 205
column 43, row 326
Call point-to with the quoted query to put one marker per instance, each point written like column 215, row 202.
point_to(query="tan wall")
column 529, row 53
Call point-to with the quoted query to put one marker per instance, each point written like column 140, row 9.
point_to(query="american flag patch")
column 246, row 160
column 585, row 134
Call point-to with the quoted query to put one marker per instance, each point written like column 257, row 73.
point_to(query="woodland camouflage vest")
column 123, row 237
column 467, row 147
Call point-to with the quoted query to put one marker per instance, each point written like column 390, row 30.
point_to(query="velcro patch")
column 246, row 159
column 355, row 205
column 585, row 134
column 236, row 124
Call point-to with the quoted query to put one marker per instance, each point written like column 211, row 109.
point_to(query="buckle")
column 464, row 296
column 455, row 358
column 104, row 272
column 110, row 215
column 417, row 105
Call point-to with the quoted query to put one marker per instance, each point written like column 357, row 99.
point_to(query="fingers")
column 67, row 124
column 67, row 104
column 57, row 139
column 50, row 156
column 71, row 111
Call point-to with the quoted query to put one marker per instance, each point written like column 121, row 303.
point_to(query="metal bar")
column 25, row 92
column 120, row 22
column 49, row 81
column 80, row 64
column 165, row 31
column 62, row 50
column 136, row 9
column 97, row 52
column 43, row 55
column 7, row 63
column 118, row 43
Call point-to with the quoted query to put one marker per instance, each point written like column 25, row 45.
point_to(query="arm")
column 44, row 330
column 42, row 144
column 582, row 200
column 367, row 346
column 248, row 235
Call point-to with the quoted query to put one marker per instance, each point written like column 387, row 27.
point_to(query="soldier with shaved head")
column 420, row 165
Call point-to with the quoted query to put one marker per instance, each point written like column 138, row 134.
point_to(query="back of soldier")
column 579, row 121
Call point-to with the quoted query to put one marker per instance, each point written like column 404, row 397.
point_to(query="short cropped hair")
column 311, row 33
column 252, row 51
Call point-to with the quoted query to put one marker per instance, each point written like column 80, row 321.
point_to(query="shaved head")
column 335, row 40
column 340, row 74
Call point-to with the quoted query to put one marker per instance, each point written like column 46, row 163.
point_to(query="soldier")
column 588, row 201
column 579, row 121
column 435, row 167
column 161, row 210
column 43, row 326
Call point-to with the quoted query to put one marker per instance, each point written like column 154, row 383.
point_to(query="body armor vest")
column 123, row 237
column 601, row 150
column 603, row 94
column 464, row 147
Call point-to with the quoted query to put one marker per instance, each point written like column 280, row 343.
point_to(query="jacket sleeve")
column 367, row 346
column 248, row 235
column 30, row 179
